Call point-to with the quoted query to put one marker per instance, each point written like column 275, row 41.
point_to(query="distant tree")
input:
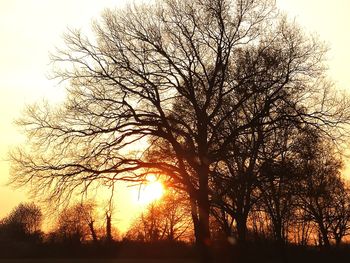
column 302, row 228
column 149, row 226
column 76, row 224
column 277, row 197
column 340, row 219
column 258, row 169
column 176, row 212
column 23, row 222
column 277, row 177
column 259, row 224
column 109, row 236
column 165, row 219
column 320, row 183
column 234, row 183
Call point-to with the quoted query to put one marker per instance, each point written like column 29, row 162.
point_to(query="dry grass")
column 96, row 261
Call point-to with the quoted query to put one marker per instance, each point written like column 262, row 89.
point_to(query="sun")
column 150, row 191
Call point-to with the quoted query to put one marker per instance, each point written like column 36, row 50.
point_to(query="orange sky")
column 29, row 30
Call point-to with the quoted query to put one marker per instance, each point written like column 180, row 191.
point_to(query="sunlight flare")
column 150, row 191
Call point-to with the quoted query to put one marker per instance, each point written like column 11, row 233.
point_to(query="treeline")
column 291, row 208
column 296, row 196
column 83, row 223
column 74, row 225
column 81, row 231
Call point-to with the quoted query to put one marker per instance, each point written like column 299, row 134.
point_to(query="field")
column 95, row 261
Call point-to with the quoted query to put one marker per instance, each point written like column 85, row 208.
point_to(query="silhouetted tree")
column 166, row 219
column 302, row 228
column 277, row 197
column 320, row 183
column 23, row 222
column 260, row 224
column 76, row 223
column 340, row 219
column 109, row 237
column 278, row 174
column 149, row 226
column 198, row 75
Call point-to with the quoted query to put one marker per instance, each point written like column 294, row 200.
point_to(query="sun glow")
column 150, row 191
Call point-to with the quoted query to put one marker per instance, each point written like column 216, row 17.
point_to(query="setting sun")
column 150, row 191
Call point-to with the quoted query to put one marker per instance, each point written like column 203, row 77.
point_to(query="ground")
column 95, row 261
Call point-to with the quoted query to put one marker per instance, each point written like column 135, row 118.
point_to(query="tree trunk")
column 324, row 236
column 92, row 230
column 108, row 227
column 203, row 241
column 239, row 255
column 202, row 231
column 278, row 229
column 280, row 239
column 338, row 239
column 241, row 221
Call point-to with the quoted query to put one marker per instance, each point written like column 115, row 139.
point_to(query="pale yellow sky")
column 29, row 30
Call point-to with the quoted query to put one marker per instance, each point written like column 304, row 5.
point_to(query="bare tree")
column 109, row 236
column 340, row 220
column 166, row 219
column 302, row 228
column 149, row 227
column 196, row 74
column 277, row 198
column 259, row 224
column 278, row 175
column 87, row 211
column 320, row 182
column 76, row 223
column 23, row 221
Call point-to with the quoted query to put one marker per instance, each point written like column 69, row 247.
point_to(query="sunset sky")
column 30, row 29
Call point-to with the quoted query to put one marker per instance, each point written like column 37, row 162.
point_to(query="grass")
column 67, row 260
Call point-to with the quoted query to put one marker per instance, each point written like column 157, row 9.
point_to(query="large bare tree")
column 197, row 75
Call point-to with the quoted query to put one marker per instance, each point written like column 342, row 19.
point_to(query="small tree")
column 340, row 219
column 23, row 222
column 320, row 183
column 165, row 219
column 75, row 224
